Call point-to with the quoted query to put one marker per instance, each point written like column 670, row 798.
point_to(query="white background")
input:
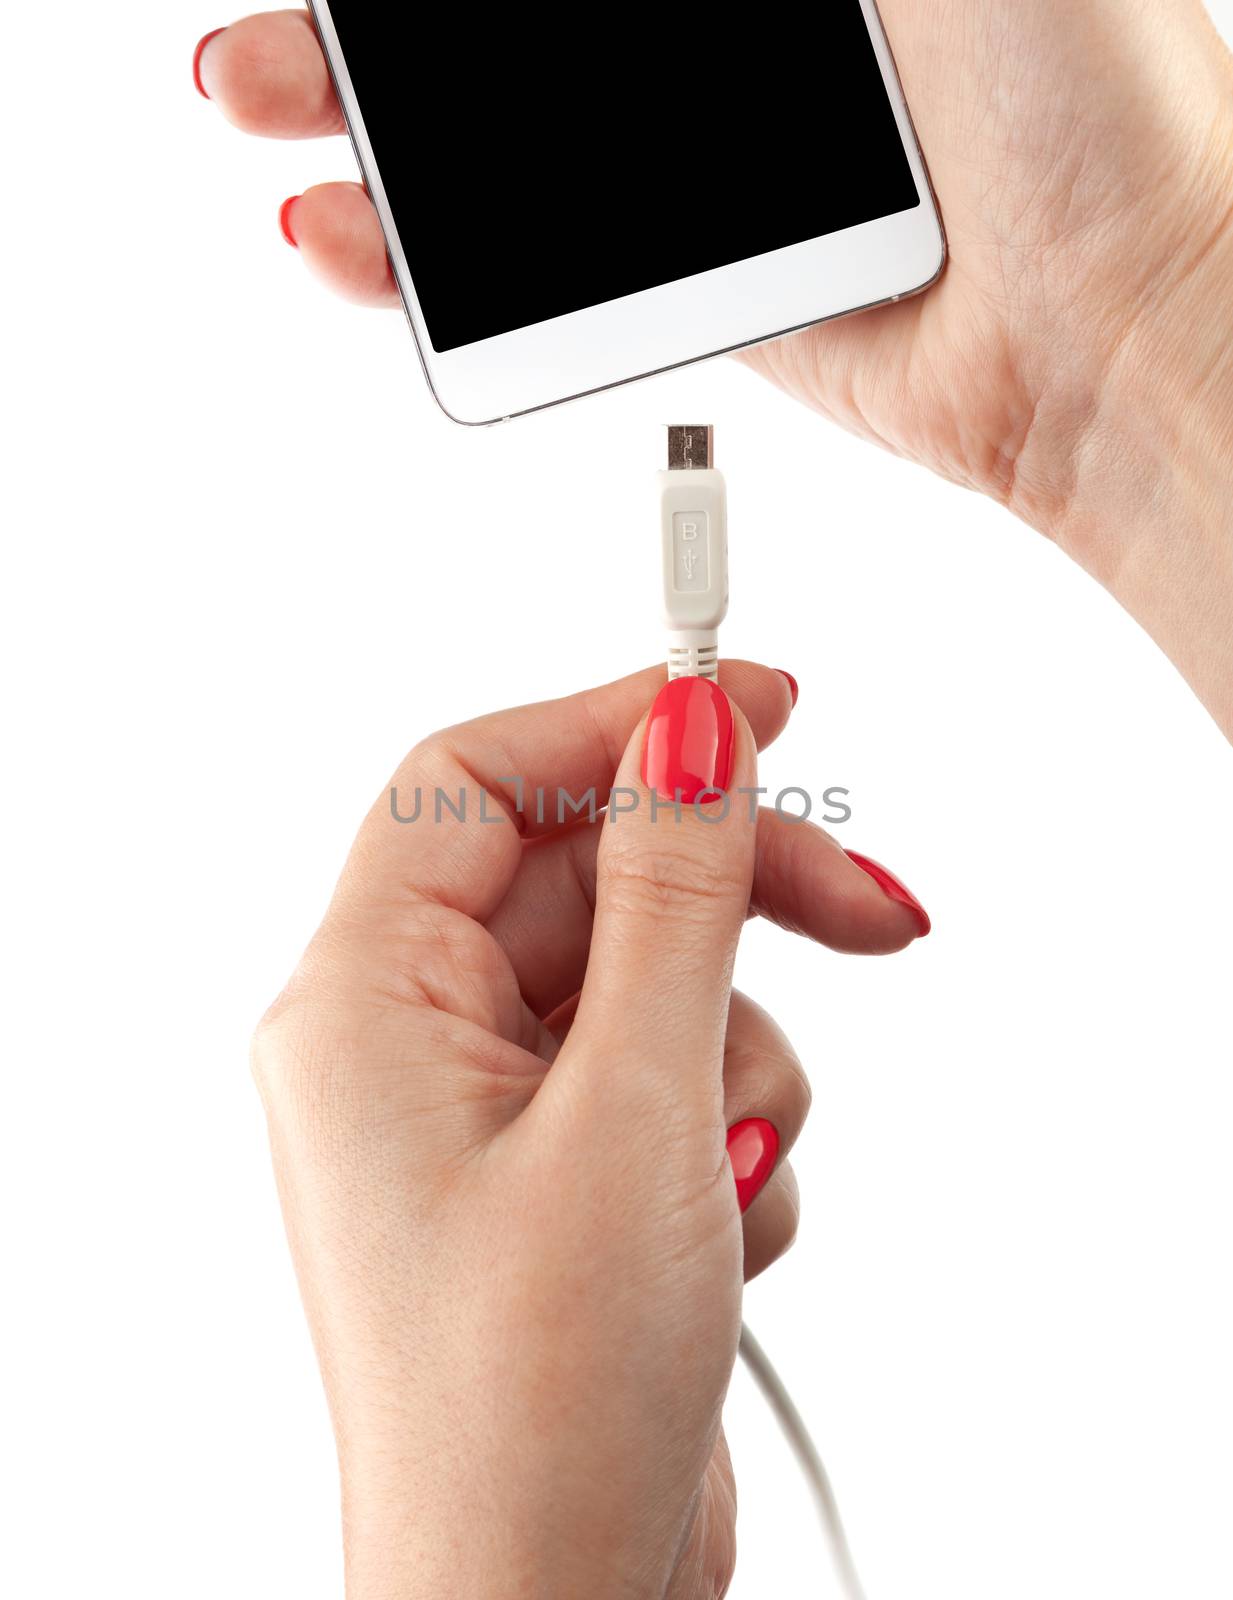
column 247, row 563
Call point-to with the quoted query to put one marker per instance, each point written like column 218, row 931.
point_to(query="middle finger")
column 803, row 880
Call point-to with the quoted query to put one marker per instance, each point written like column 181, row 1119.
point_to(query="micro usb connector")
column 691, row 446
column 693, row 504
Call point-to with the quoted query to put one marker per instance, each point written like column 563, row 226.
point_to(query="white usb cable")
column 693, row 514
column 693, row 510
column 775, row 1393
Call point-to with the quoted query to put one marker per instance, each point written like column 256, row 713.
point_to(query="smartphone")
column 573, row 200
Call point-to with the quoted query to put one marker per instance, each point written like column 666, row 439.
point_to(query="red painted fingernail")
column 284, row 220
column 689, row 740
column 197, row 53
column 793, row 686
column 890, row 885
column 752, row 1148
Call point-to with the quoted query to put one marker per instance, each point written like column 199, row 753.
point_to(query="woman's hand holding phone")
column 1076, row 361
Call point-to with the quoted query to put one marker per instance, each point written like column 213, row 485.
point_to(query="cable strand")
column 792, row 1424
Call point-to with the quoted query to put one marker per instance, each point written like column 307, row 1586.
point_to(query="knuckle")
column 301, row 1044
column 308, row 1064
column 800, row 1090
column 281, row 1047
column 431, row 756
column 431, row 954
column 661, row 881
column 788, row 1229
column 763, row 1079
column 776, row 1229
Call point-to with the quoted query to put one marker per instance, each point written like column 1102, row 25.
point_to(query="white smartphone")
column 572, row 200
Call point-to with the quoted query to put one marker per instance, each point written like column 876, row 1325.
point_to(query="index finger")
column 267, row 75
column 450, row 828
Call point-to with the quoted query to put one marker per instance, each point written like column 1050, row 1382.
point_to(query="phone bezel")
column 676, row 324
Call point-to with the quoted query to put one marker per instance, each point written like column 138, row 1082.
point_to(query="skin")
column 514, row 1226
column 497, row 1089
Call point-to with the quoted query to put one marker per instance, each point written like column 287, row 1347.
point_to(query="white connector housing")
column 693, row 505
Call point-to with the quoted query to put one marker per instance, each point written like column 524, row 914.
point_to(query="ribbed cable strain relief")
column 693, row 655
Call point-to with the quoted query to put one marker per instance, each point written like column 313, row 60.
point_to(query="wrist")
column 403, row 1541
column 1130, row 473
column 396, row 1567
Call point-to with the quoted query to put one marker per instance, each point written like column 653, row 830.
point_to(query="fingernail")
column 752, row 1148
column 197, row 54
column 890, row 885
column 284, row 220
column 793, row 686
column 689, row 740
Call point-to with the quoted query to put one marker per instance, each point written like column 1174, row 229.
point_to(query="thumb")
column 673, row 881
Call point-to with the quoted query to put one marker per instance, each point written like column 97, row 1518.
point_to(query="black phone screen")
column 539, row 161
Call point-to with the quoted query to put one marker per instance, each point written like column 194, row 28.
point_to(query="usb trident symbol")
column 690, row 559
